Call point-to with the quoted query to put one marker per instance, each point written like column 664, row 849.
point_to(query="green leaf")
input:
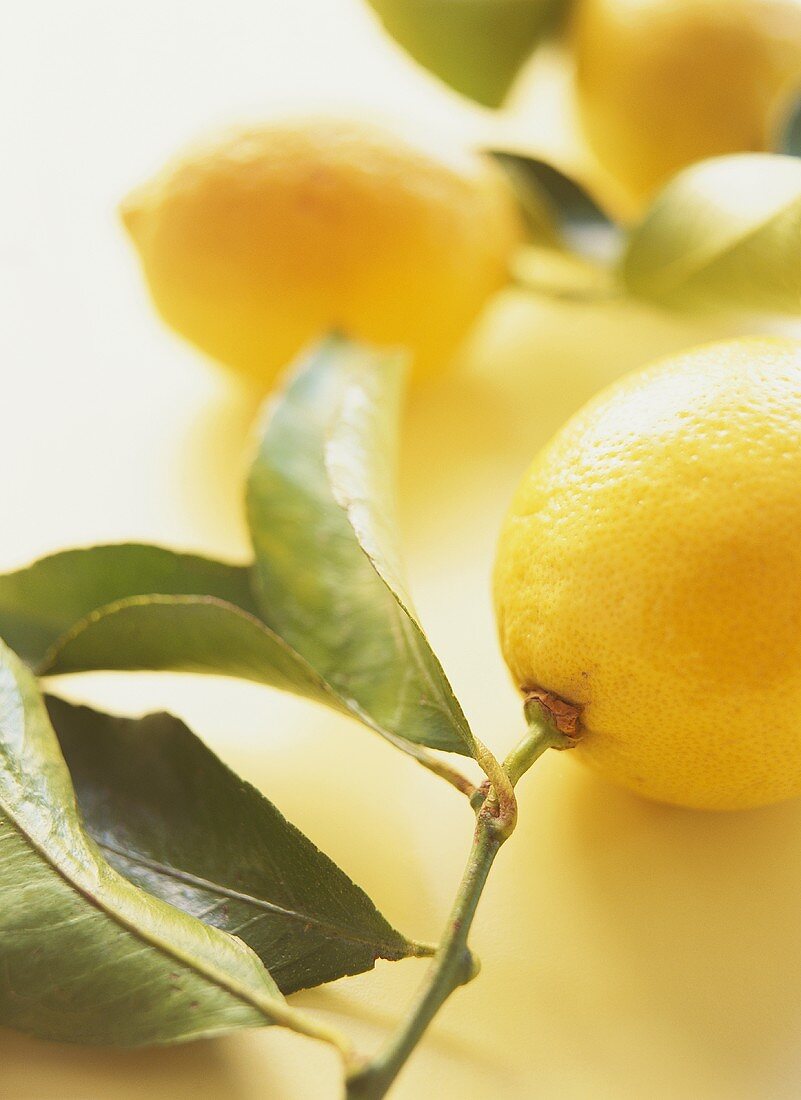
column 724, row 234
column 335, row 632
column 42, row 602
column 476, row 46
column 790, row 138
column 172, row 819
column 328, row 576
column 559, row 210
column 86, row 956
column 198, row 634
column 79, row 611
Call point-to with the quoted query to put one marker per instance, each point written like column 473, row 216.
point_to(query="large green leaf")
column 476, row 46
column 170, row 816
column 42, row 602
column 327, row 622
column 86, row 956
column 724, row 234
column 328, row 576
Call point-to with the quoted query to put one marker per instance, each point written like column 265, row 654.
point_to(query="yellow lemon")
column 256, row 242
column 663, row 83
column 649, row 572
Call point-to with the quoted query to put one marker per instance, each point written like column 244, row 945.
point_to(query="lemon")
column 663, row 83
column 649, row 572
column 259, row 240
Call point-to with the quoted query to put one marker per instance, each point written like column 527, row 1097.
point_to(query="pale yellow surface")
column 649, row 571
column 629, row 950
column 257, row 241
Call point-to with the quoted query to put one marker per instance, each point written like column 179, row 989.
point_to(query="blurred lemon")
column 650, row 572
column 663, row 83
column 255, row 243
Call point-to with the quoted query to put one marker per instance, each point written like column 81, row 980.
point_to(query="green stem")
column 542, row 734
column 453, row 966
column 295, row 1020
column 500, row 801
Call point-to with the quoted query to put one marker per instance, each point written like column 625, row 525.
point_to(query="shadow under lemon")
column 653, row 928
column 198, row 1071
column 530, row 363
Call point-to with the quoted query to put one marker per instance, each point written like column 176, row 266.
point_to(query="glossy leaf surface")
column 86, row 956
column 174, row 820
column 185, row 634
column 40, row 603
column 329, row 578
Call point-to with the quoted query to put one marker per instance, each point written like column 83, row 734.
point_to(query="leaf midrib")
column 265, row 1005
column 235, row 895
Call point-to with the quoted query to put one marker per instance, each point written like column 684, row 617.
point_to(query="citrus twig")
column 454, row 964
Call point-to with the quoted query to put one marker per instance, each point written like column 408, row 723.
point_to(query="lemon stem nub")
column 546, row 730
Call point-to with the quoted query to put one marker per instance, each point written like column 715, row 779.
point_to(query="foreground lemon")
column 650, row 572
column 663, row 83
column 256, row 242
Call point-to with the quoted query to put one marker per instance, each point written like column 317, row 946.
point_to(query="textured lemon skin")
column 650, row 571
column 663, row 83
column 260, row 240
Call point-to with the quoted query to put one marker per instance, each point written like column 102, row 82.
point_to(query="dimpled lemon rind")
column 258, row 241
column 650, row 571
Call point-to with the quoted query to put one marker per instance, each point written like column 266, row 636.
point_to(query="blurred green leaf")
column 171, row 818
column 559, row 209
column 86, row 956
column 790, row 137
column 329, row 579
column 476, row 46
column 42, row 602
column 724, row 234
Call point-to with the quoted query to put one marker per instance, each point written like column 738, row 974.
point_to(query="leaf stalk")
column 433, row 764
column 454, row 964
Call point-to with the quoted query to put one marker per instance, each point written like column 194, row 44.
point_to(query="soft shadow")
column 530, row 364
column 211, row 462
column 687, row 925
column 382, row 1020
column 34, row 1069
